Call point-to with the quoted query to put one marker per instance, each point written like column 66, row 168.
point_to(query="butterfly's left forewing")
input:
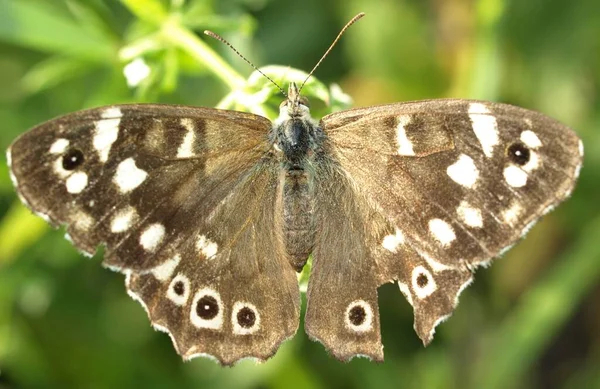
column 185, row 201
column 431, row 190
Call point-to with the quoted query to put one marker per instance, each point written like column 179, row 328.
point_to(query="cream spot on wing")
column 152, row 236
column 405, row 146
column 359, row 316
column 164, row 271
column 578, row 168
column 179, row 289
column 463, row 171
column 186, row 150
column 515, row 176
column 77, row 182
column 485, row 127
column 511, row 215
column 59, row 146
column 391, row 242
column 123, row 220
column 245, row 319
column 107, row 132
column 207, row 309
column 530, row 139
column 423, row 283
column 207, row 247
column 83, row 221
column 533, row 163
column 442, row 231
column 129, row 176
column 469, row 215
column 59, row 169
column 406, row 292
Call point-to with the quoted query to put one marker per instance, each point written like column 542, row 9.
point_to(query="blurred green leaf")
column 52, row 72
column 39, row 26
column 19, row 228
column 151, row 11
column 544, row 308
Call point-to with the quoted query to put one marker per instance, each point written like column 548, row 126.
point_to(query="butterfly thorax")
column 296, row 136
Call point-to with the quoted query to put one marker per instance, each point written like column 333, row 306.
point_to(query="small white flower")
column 136, row 71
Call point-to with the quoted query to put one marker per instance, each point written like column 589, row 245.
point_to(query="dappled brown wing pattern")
column 124, row 175
column 184, row 200
column 438, row 188
column 241, row 303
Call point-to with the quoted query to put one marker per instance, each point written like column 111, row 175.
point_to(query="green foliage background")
column 532, row 320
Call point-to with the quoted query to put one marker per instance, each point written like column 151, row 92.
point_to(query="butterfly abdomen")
column 298, row 210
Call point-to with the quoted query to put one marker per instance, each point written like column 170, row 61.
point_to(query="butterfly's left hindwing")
column 184, row 200
column 433, row 189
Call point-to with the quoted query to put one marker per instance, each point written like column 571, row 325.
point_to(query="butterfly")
column 212, row 213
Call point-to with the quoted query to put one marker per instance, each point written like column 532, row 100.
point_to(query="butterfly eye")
column 518, row 153
column 245, row 318
column 72, row 159
column 304, row 101
column 359, row 316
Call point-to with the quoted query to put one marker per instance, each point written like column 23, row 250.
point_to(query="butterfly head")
column 294, row 106
column 294, row 131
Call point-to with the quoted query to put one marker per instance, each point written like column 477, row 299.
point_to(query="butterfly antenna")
column 220, row 38
column 351, row 22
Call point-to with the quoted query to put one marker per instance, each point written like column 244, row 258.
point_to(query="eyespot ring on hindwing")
column 206, row 310
column 245, row 318
column 358, row 316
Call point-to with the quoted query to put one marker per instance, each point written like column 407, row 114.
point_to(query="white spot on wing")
column 533, row 163
column 107, row 132
column 484, row 126
column 59, row 146
column 469, row 215
column 129, row 176
column 530, row 139
column 83, row 221
column 77, row 182
column 405, row 146
column 179, row 299
column 237, row 328
column 406, row 292
column 123, row 220
column 59, row 170
column 214, row 323
column 430, row 286
column 186, row 150
column 391, row 242
column 463, row 171
column 511, row 215
column 515, row 176
column 442, row 231
column 207, row 246
column 164, row 271
column 152, row 236
column 367, row 323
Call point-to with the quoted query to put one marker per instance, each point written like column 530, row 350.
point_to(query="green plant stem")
column 541, row 313
column 186, row 40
